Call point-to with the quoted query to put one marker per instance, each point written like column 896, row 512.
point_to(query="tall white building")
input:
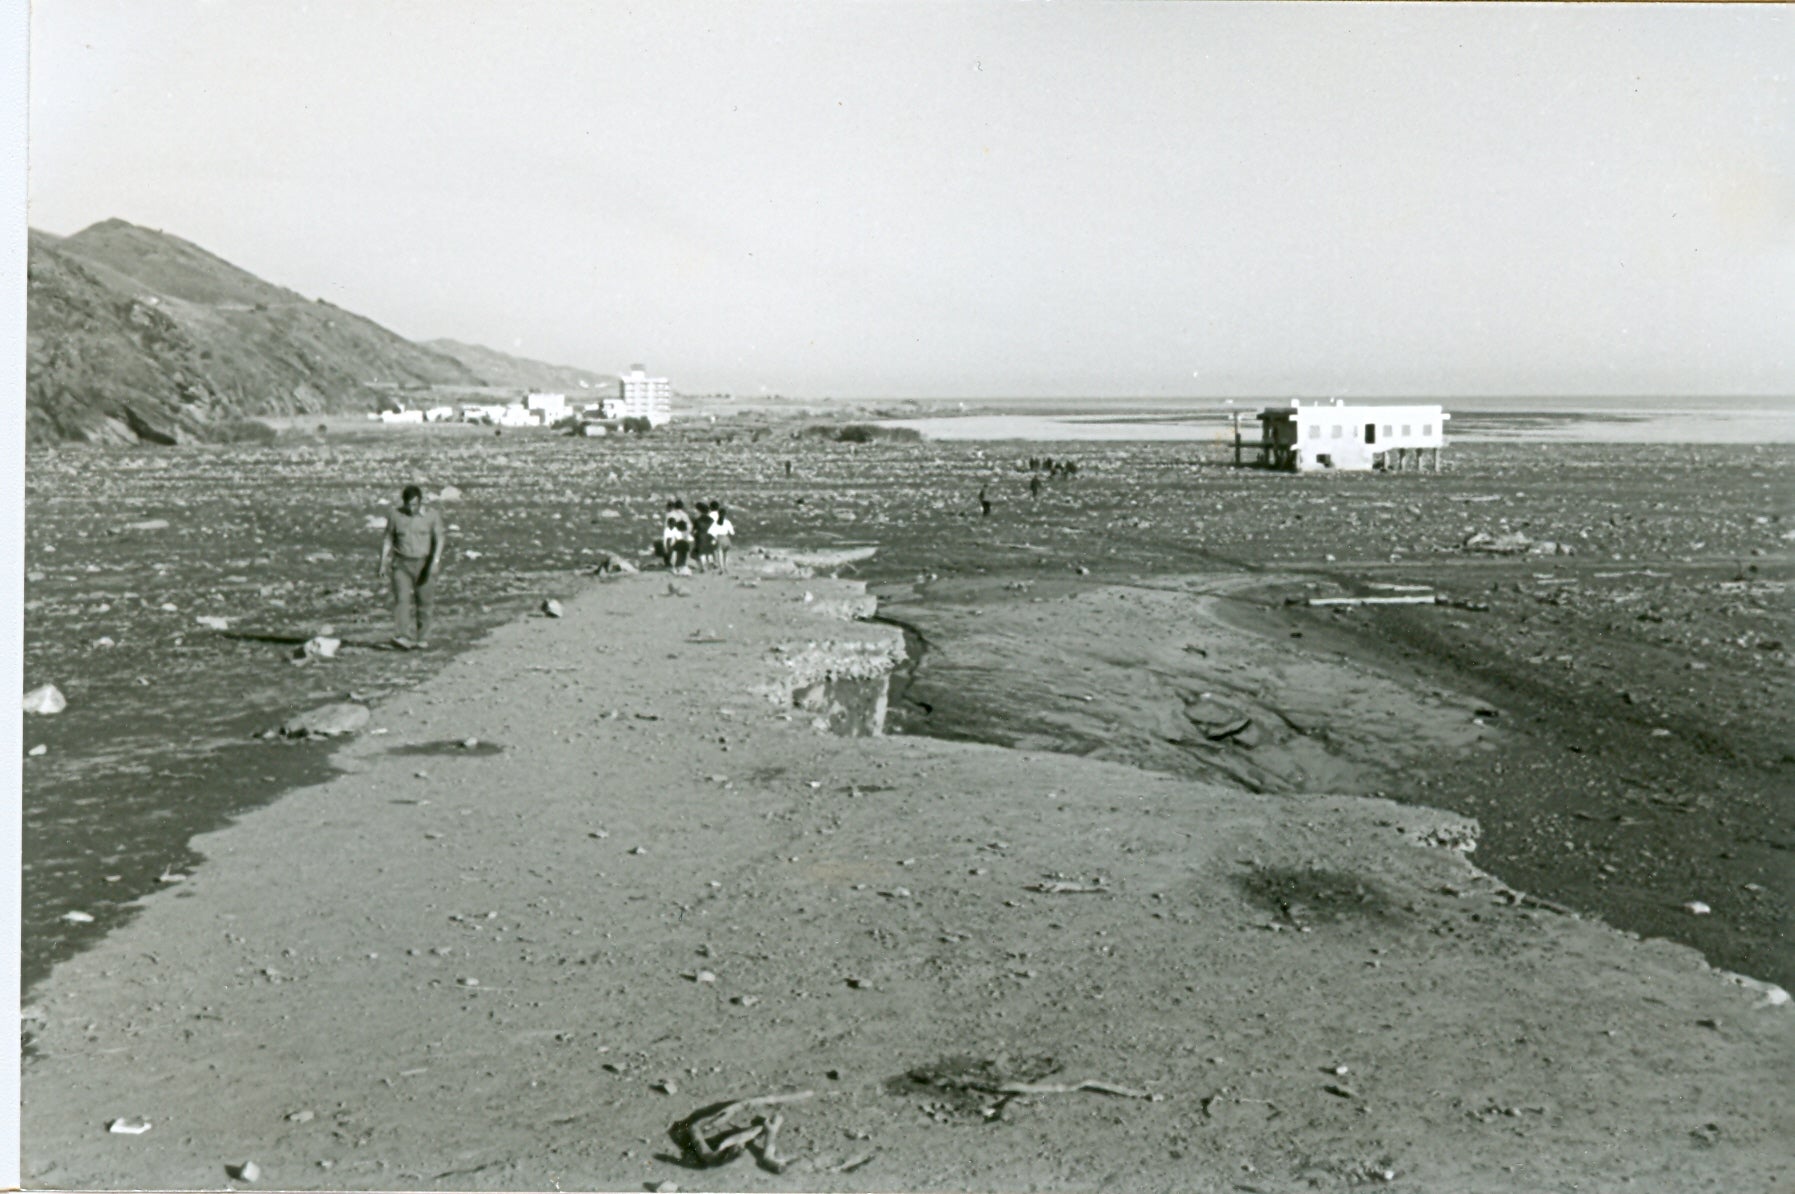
column 643, row 397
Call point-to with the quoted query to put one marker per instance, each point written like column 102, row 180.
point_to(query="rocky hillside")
column 135, row 335
column 501, row 369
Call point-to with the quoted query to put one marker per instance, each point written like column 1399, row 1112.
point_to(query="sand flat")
column 670, row 888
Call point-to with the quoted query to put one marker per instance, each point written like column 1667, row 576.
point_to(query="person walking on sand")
column 411, row 555
column 676, row 537
column 703, row 548
column 722, row 534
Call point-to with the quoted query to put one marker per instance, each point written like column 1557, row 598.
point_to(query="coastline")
column 669, row 886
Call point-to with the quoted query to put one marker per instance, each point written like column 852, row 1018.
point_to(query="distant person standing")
column 411, row 555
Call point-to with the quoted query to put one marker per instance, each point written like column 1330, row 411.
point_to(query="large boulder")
column 327, row 721
column 48, row 699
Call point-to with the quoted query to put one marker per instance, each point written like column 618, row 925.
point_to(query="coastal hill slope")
column 135, row 335
column 503, row 369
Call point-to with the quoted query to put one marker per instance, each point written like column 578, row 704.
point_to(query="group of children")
column 703, row 540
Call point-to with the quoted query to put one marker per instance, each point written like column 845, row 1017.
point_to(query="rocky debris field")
column 1661, row 606
column 596, row 907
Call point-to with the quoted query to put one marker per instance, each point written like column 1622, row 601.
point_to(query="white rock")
column 321, row 647
column 213, row 622
column 244, row 1171
column 48, row 699
column 128, row 1127
column 78, row 918
column 39, row 749
column 448, row 493
column 552, row 608
column 1697, row 908
column 376, row 522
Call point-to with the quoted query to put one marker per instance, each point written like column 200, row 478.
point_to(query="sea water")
column 1656, row 420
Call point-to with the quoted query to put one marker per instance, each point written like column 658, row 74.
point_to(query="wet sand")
column 671, row 886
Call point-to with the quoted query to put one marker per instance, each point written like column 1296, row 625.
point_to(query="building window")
column 1427, row 429
column 1336, row 431
column 1315, row 431
column 1389, row 431
column 1407, row 429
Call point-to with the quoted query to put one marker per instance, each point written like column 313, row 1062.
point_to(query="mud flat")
column 681, row 880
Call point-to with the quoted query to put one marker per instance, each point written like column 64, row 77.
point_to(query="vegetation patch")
column 1306, row 896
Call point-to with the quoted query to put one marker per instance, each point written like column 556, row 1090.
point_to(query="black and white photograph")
column 904, row 596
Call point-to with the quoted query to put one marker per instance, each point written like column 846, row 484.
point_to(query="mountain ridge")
column 134, row 335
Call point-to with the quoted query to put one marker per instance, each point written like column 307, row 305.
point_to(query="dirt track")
column 463, row 969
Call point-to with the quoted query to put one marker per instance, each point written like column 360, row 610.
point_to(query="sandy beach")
column 659, row 879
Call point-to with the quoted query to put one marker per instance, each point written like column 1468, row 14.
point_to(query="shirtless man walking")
column 411, row 554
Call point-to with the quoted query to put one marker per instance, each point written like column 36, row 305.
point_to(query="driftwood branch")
column 1044, row 1088
column 699, row 1132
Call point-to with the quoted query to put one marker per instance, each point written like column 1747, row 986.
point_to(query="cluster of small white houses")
column 639, row 396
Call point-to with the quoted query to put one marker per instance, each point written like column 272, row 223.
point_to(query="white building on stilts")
column 1333, row 435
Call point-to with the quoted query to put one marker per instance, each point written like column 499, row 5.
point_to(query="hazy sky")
column 957, row 199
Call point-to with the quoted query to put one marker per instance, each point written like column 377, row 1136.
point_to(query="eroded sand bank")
column 669, row 887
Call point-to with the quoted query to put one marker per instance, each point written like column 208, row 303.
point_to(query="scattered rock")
column 327, row 721
column 552, row 608
column 319, row 647
column 46, row 700
column 213, row 622
column 448, row 493
column 1696, row 908
column 78, row 918
column 128, row 1126
column 1508, row 543
column 147, row 524
column 244, row 1171
column 39, row 749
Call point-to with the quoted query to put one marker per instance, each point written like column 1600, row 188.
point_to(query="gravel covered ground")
column 1637, row 646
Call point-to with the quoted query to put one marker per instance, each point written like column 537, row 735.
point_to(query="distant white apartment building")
column 640, row 396
column 1333, row 435
column 552, row 406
